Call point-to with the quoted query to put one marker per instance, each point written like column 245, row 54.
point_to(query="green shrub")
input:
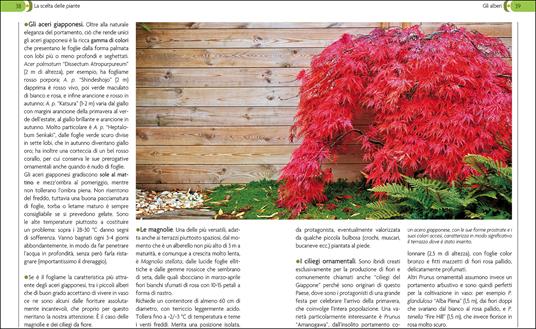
column 485, row 194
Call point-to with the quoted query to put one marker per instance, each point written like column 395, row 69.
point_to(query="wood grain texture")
column 259, row 135
column 489, row 29
column 214, row 116
column 228, row 174
column 243, row 38
column 243, row 58
column 249, row 135
column 221, row 116
column 249, row 154
column 278, row 57
column 217, row 77
column 255, row 25
column 201, row 187
column 281, row 96
column 228, row 58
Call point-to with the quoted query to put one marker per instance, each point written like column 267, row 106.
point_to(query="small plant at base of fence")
column 487, row 193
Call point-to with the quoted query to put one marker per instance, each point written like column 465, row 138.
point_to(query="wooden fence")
column 215, row 101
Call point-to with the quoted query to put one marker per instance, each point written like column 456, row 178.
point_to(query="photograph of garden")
column 324, row 121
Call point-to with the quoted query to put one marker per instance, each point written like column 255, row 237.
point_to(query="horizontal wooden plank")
column 217, row 174
column 281, row 96
column 213, row 116
column 217, row 77
column 478, row 26
column 213, row 97
column 178, row 186
column 489, row 29
column 279, row 57
column 260, row 135
column 226, row 77
column 227, row 58
column 220, row 116
column 470, row 23
column 279, row 154
column 246, row 58
column 226, row 174
column 255, row 25
column 243, row 38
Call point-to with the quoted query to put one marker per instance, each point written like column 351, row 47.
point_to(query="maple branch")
column 477, row 49
column 507, row 76
column 373, row 141
column 340, row 137
column 431, row 35
column 411, row 92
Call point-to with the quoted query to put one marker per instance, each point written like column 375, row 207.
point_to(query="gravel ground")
column 152, row 202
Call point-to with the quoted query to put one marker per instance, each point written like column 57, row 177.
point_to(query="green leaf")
column 145, row 27
column 383, row 214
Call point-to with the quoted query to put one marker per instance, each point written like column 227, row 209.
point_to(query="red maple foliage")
column 434, row 98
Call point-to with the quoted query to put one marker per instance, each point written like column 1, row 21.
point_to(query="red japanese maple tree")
column 434, row 98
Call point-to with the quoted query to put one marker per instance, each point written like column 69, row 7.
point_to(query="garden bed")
column 255, row 200
column 258, row 200
column 485, row 194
